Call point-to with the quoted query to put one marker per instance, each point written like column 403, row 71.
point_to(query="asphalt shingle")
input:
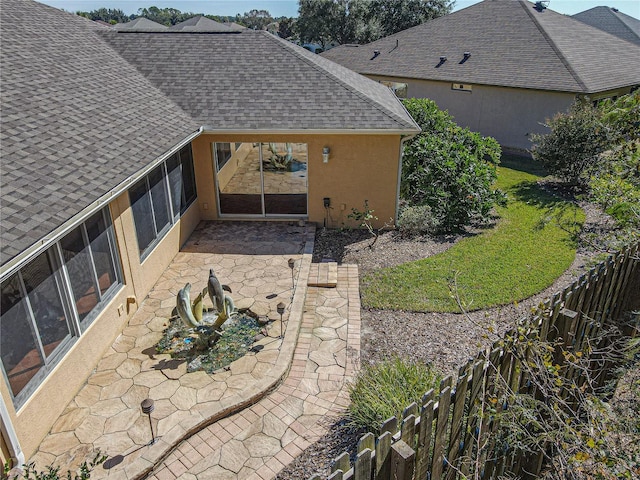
column 77, row 120
column 202, row 25
column 511, row 44
column 256, row 81
column 140, row 24
column 612, row 21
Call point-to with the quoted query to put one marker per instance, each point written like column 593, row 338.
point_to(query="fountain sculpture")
column 192, row 314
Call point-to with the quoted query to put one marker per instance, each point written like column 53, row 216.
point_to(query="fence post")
column 383, row 456
column 341, row 463
column 402, row 461
column 362, row 468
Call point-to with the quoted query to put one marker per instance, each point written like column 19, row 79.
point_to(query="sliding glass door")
column 261, row 179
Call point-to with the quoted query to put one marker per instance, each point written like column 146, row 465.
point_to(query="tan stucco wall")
column 5, row 456
column 36, row 417
column 361, row 167
column 229, row 168
column 510, row 115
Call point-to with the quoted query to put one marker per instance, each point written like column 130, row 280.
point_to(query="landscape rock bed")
column 182, row 343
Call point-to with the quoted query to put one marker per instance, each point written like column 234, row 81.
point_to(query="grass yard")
column 530, row 246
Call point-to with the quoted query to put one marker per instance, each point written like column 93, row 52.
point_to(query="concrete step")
column 323, row 275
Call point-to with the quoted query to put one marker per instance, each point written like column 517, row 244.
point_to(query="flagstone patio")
column 247, row 420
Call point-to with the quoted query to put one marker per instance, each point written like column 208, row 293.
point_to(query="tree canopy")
column 363, row 21
column 255, row 19
column 109, row 15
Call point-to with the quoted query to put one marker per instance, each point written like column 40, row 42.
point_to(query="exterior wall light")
column 325, row 155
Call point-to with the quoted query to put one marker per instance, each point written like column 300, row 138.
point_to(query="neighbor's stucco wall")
column 361, row 167
column 37, row 416
column 510, row 115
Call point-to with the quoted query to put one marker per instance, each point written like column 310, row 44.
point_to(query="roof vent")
column 615, row 9
column 443, row 59
column 466, row 56
column 375, row 54
column 541, row 5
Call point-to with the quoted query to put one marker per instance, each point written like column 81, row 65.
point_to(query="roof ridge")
column 621, row 17
column 286, row 44
column 524, row 4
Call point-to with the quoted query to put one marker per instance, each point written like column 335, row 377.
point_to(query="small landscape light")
column 148, row 406
column 280, row 310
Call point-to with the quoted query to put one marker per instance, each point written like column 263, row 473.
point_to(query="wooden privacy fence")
column 448, row 436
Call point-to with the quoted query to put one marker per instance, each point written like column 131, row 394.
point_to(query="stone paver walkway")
column 230, row 424
column 259, row 441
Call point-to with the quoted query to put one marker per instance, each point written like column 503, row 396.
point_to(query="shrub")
column 571, row 150
column 417, row 219
column 29, row 471
column 384, row 390
column 449, row 168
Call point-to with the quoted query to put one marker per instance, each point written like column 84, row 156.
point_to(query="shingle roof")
column 612, row 21
column 77, row 120
column 200, row 24
column 253, row 80
column 511, row 44
column 141, row 24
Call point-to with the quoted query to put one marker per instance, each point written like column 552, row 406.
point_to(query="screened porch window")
column 49, row 301
column 158, row 200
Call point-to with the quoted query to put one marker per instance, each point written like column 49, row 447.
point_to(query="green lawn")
column 529, row 247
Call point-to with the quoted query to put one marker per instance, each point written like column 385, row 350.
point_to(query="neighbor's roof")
column 77, row 120
column 140, row 24
column 511, row 44
column 200, row 24
column 253, row 80
column 613, row 21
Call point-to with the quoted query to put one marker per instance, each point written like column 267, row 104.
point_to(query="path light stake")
column 292, row 264
column 280, row 308
column 148, row 407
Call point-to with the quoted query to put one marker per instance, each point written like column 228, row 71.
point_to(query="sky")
column 289, row 8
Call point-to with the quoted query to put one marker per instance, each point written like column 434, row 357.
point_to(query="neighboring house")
column 500, row 67
column 202, row 24
column 140, row 24
column 612, row 21
column 116, row 144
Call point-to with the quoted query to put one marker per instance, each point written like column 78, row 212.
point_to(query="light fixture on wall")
column 325, row 155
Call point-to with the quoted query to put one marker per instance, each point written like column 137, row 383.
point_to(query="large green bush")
column 449, row 168
column 598, row 148
column 571, row 150
column 384, row 390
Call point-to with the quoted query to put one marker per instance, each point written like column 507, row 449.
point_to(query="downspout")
column 9, row 434
column 402, row 140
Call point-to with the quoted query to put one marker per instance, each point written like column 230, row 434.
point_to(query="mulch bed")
column 445, row 339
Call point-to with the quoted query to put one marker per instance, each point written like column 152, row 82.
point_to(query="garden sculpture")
column 278, row 161
column 222, row 303
column 183, row 306
column 191, row 314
